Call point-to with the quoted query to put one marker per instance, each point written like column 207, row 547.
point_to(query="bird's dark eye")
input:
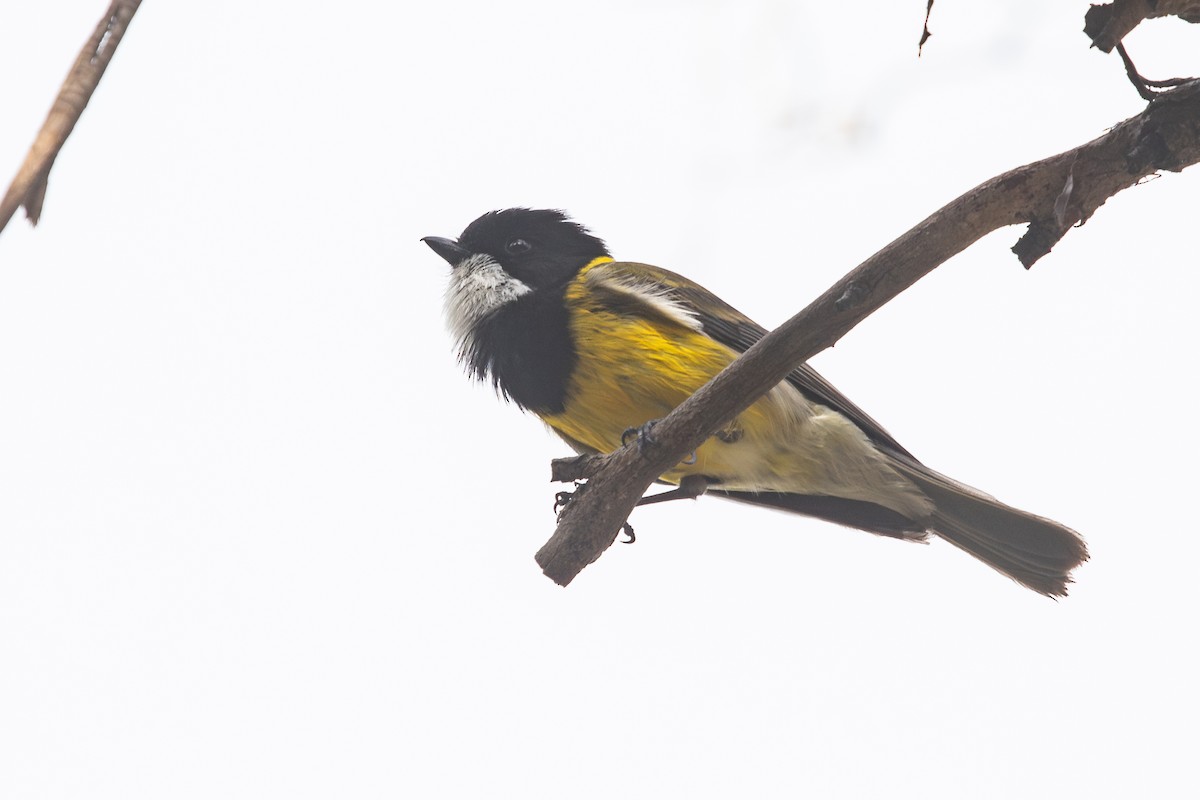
column 516, row 247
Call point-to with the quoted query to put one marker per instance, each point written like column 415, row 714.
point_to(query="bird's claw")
column 642, row 433
column 561, row 499
column 645, row 438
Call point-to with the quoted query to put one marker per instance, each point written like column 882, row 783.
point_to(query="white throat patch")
column 478, row 287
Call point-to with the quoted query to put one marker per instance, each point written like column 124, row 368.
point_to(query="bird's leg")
column 691, row 487
column 643, row 434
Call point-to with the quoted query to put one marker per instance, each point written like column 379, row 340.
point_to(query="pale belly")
column 782, row 443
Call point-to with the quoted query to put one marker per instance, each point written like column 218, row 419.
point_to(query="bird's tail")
column 1034, row 551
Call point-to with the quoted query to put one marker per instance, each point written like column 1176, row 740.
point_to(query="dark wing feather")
column 735, row 330
column 857, row 514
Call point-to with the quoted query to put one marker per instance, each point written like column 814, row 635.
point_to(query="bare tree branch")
column 29, row 186
column 1107, row 25
column 1050, row 195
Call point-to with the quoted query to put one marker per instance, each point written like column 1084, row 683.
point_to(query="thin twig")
column 925, row 32
column 28, row 188
column 1145, row 87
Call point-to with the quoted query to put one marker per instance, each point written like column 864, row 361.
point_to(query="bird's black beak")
column 447, row 249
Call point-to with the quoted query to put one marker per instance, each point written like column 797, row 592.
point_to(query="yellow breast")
column 635, row 367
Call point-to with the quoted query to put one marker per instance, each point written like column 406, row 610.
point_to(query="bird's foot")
column 644, row 435
column 561, row 499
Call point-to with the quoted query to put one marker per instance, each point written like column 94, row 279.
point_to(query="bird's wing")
column 733, row 329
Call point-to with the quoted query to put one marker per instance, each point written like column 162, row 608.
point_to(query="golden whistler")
column 596, row 347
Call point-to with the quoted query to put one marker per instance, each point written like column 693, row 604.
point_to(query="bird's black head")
column 505, row 300
column 540, row 248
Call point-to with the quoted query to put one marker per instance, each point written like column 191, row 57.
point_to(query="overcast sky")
column 259, row 537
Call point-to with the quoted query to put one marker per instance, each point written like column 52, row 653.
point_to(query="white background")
column 260, row 538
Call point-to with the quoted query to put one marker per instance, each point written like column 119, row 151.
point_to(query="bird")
column 595, row 347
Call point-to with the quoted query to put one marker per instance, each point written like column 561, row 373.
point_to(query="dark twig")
column 1145, row 87
column 925, row 32
column 1139, row 83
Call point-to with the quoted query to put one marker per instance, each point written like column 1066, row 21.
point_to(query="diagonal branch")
column 29, row 186
column 1051, row 196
